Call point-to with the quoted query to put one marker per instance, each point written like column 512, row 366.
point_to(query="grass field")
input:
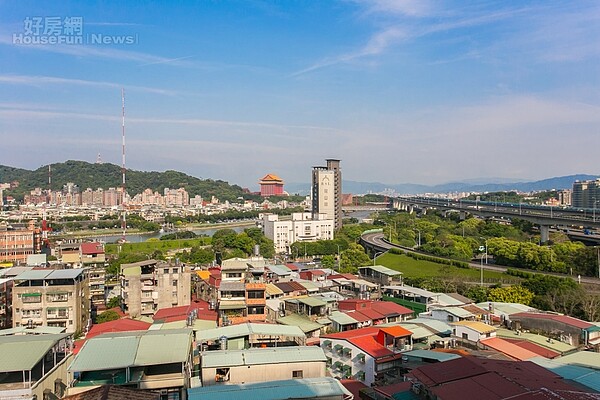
column 427, row 269
column 150, row 246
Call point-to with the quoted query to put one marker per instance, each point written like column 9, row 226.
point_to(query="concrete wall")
column 265, row 373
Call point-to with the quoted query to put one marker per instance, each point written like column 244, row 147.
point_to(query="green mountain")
column 86, row 175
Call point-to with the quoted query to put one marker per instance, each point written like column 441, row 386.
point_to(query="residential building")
column 112, row 392
column 380, row 275
column 327, row 191
column 303, row 227
column 243, row 336
column 586, row 194
column 472, row 331
column 131, row 359
column 52, row 297
column 148, row 286
column 93, row 259
column 261, row 365
column 6, row 286
column 479, row 378
column 368, row 354
column 573, row 331
column 17, row 244
column 271, row 185
column 34, row 366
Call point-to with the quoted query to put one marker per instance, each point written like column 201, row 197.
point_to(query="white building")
column 473, row 330
column 302, row 228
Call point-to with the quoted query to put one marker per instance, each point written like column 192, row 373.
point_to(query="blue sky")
column 401, row 91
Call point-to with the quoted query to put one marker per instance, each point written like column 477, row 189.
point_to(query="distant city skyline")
column 403, row 91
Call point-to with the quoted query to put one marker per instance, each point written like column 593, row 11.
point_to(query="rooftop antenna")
column 124, row 218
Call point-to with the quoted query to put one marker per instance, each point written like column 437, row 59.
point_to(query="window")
column 465, row 336
column 166, row 270
column 175, row 282
column 297, row 374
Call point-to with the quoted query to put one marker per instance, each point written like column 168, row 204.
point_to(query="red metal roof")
column 119, row 325
column 180, row 313
column 369, row 345
column 489, row 386
column 390, row 308
column 92, row 248
column 396, row 331
column 391, row 390
column 565, row 319
column 354, row 333
column 536, row 348
column 353, row 386
column 508, row 348
column 357, row 315
column 354, row 304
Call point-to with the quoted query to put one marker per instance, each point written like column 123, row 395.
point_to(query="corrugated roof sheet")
column 565, row 319
column 312, row 301
column 456, row 311
column 241, row 330
column 305, row 324
column 33, row 274
column 65, row 273
column 418, row 332
column 272, row 290
column 476, row 326
column 583, row 375
column 431, row 355
column 433, row 324
column 280, row 270
column 232, row 286
column 341, row 318
column 23, row 352
column 310, row 388
column 257, row 356
column 510, row 349
column 537, row 339
column 582, row 358
column 382, row 270
column 128, row 349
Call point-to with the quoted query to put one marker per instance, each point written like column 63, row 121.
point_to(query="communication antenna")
column 124, row 218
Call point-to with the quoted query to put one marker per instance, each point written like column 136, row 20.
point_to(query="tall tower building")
column 327, row 192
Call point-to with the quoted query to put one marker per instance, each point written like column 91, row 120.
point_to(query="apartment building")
column 148, row 286
column 93, row 259
column 52, row 297
column 326, row 191
column 17, row 244
column 6, row 303
column 241, row 296
column 304, row 227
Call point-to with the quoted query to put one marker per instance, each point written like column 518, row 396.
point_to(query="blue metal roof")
column 310, row 388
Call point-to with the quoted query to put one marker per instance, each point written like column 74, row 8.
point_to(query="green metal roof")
column 312, row 302
column 128, row 349
column 34, row 274
column 310, row 388
column 23, row 352
column 431, row 355
column 305, row 324
column 341, row 318
column 257, row 356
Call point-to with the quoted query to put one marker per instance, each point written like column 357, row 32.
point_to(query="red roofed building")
column 573, row 331
column 313, row 275
column 478, row 378
column 390, row 311
column 366, row 354
column 202, row 310
column 271, row 185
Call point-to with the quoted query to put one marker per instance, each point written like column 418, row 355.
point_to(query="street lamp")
column 375, row 256
column 419, row 242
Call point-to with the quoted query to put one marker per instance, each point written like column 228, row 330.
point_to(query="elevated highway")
column 374, row 242
column 543, row 216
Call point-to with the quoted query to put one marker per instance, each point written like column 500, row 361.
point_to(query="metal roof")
column 33, row 274
column 272, row 290
column 446, row 300
column 301, row 322
column 583, row 375
column 257, row 356
column 543, row 341
column 413, row 290
column 382, row 270
column 309, row 388
column 309, row 286
column 456, row 311
column 280, row 270
column 35, row 330
column 129, row 349
column 65, row 273
column 582, row 358
column 23, row 352
column 312, row 301
column 231, row 286
column 418, row 332
column 247, row 329
column 341, row 318
column 479, row 327
column 431, row 355
column 433, row 324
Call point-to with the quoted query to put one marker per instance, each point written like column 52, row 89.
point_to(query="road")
column 377, row 239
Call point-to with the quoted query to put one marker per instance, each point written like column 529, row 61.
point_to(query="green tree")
column 353, row 258
column 114, row 302
column 511, row 294
column 106, row 316
column 328, row 261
